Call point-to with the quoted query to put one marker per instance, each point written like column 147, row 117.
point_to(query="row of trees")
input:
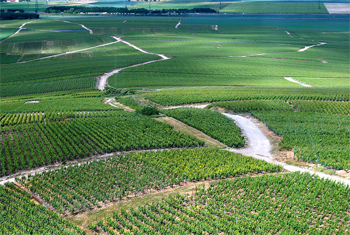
column 17, row 16
column 123, row 10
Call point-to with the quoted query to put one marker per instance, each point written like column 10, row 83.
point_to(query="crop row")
column 215, row 94
column 285, row 204
column 250, row 105
column 116, row 178
column 34, row 145
column 39, row 117
column 20, row 215
column 341, row 108
column 315, row 137
column 47, row 86
column 211, row 123
column 55, row 103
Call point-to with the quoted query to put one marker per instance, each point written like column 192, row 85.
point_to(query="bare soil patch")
column 182, row 127
column 32, row 102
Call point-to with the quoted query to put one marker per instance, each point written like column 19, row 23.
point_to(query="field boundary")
column 103, row 80
column 19, row 29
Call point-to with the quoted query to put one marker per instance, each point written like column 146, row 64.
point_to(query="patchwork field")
column 142, row 124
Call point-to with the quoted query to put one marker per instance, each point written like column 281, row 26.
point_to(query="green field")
column 110, row 170
column 275, row 8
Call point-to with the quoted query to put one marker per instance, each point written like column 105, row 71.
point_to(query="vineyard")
column 178, row 96
column 211, row 123
column 32, row 145
column 250, row 105
column 283, row 204
column 322, row 107
column 315, row 137
column 20, row 215
column 52, row 116
column 317, row 131
column 47, row 86
column 117, row 178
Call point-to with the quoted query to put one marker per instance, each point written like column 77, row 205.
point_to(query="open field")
column 275, row 8
column 70, row 147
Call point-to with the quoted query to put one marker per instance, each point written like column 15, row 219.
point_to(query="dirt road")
column 259, row 147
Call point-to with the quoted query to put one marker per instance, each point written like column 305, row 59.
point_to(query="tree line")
column 122, row 10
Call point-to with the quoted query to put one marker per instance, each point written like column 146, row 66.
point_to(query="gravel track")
column 259, row 147
column 103, row 80
column 19, row 29
column 296, row 81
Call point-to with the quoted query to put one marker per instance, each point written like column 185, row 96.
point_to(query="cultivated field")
column 199, row 124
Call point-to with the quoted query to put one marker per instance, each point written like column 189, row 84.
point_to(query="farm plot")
column 275, row 8
column 250, row 105
column 288, row 204
column 91, row 102
column 20, row 215
column 329, row 107
column 34, row 145
column 133, row 25
column 318, row 132
column 178, row 96
column 211, row 123
column 116, row 178
column 315, row 137
column 45, row 86
column 4, row 33
column 93, row 62
column 51, row 116
column 211, row 71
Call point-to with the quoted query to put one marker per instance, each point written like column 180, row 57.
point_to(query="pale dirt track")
column 259, row 147
column 338, row 8
column 19, row 29
column 103, row 80
column 296, row 81
column 308, row 47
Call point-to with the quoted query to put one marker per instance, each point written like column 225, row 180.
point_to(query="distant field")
column 180, row 5
column 275, row 8
column 188, row 95
column 4, row 33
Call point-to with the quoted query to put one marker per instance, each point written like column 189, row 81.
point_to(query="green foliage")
column 177, row 96
column 34, row 145
column 250, row 105
column 289, row 204
column 211, row 123
column 148, row 110
column 109, row 90
column 341, row 108
column 115, row 178
column 20, row 215
column 312, row 135
column 45, row 86
column 276, row 8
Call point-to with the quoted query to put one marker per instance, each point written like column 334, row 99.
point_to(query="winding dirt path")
column 19, row 29
column 259, row 147
column 296, row 81
column 103, row 80
column 178, row 24
column 69, row 52
column 307, row 47
column 83, row 26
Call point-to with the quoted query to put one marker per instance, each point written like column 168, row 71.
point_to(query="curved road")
column 259, row 147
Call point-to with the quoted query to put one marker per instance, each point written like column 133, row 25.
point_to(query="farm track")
column 19, row 29
column 259, row 147
column 296, row 81
column 103, row 80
